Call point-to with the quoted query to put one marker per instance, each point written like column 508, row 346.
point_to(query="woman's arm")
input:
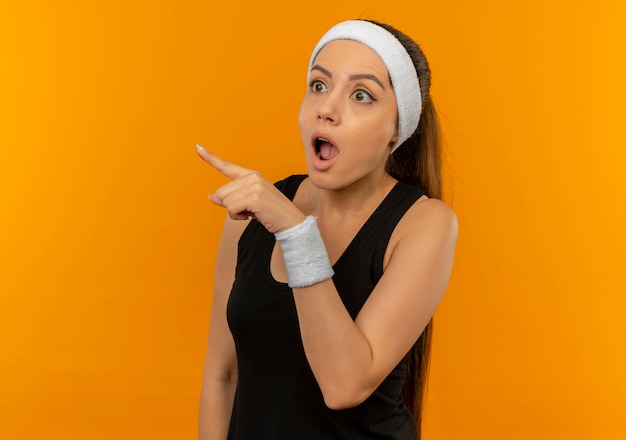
column 351, row 358
column 220, row 368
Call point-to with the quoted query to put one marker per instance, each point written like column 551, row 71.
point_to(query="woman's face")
column 348, row 117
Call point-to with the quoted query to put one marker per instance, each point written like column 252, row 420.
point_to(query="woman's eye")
column 362, row 96
column 318, row 86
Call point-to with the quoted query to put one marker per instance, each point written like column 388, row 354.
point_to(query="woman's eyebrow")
column 351, row 77
column 321, row 69
column 367, row 76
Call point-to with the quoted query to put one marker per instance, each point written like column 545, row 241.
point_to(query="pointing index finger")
column 225, row 167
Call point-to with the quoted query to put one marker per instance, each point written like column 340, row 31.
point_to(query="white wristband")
column 305, row 255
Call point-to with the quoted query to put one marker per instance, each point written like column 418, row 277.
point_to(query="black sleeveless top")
column 277, row 395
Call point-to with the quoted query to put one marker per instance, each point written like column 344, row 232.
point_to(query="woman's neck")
column 359, row 198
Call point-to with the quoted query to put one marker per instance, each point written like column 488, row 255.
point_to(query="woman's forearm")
column 338, row 353
column 216, row 406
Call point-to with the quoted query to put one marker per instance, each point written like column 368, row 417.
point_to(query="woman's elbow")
column 343, row 397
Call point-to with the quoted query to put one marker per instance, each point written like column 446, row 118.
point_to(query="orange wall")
column 107, row 241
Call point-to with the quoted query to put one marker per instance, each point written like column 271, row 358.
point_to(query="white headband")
column 396, row 59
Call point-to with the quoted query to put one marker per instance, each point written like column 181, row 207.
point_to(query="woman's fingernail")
column 200, row 148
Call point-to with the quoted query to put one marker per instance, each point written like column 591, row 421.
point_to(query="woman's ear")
column 394, row 138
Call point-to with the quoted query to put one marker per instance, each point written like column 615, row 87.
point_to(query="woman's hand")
column 251, row 195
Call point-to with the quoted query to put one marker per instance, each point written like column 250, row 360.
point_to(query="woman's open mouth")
column 324, row 149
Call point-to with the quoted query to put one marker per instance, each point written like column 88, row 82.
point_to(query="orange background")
column 107, row 240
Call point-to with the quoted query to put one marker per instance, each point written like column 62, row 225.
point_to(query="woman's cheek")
column 303, row 122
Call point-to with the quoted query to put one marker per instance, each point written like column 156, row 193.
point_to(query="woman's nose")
column 329, row 109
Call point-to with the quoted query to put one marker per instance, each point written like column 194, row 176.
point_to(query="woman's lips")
column 325, row 151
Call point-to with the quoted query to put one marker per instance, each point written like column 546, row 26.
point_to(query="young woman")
column 325, row 284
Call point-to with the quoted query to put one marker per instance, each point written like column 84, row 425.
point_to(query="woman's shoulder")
column 428, row 219
column 289, row 185
column 431, row 214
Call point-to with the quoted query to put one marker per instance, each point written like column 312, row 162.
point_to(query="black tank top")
column 277, row 395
